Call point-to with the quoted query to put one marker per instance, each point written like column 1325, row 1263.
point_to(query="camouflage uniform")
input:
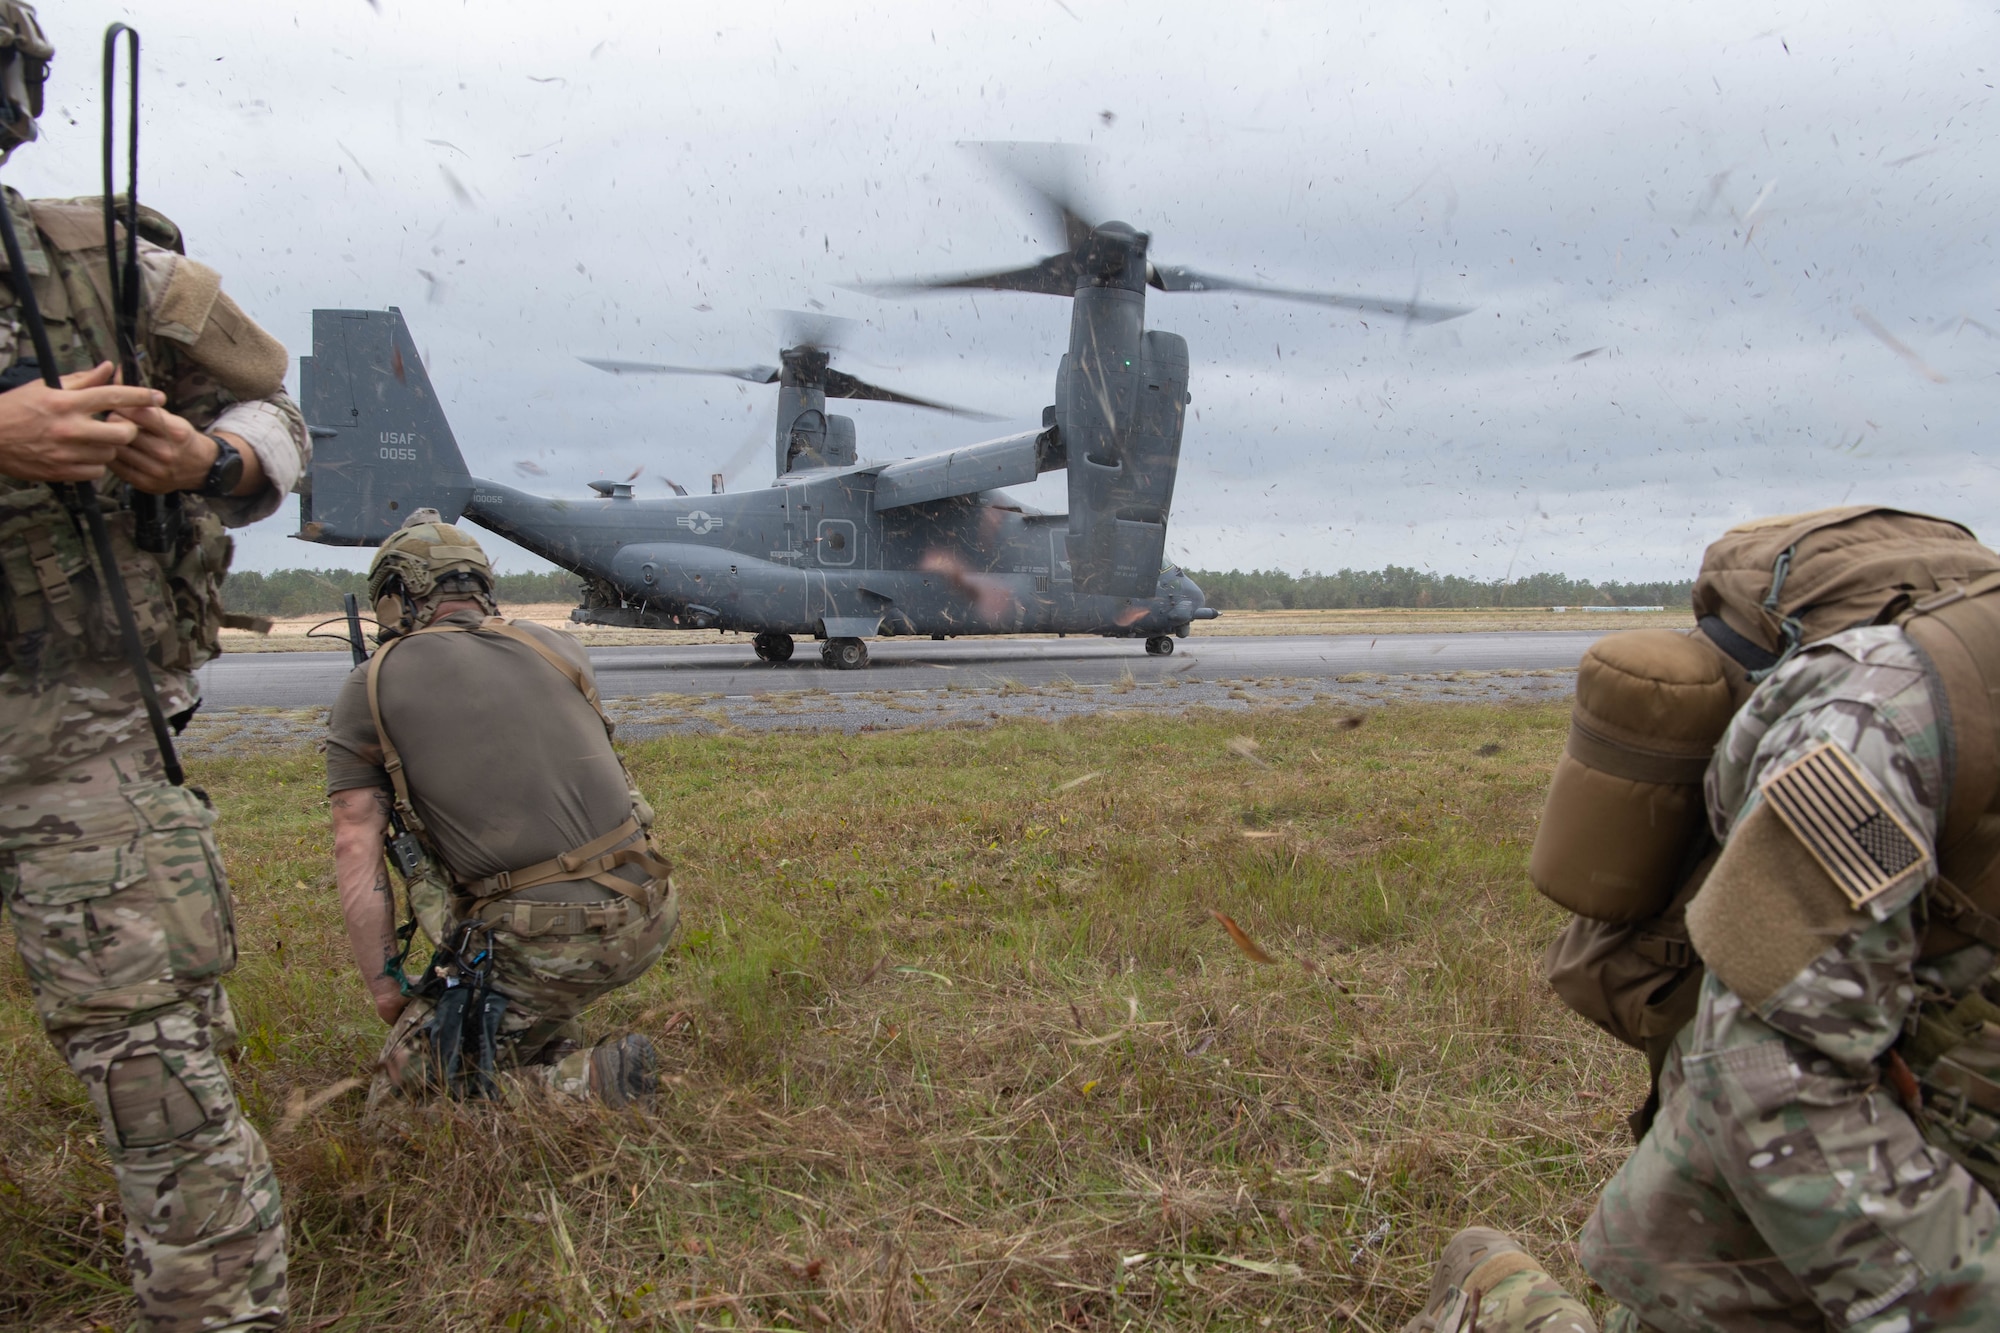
column 120, row 905
column 1486, row 1281
column 1783, row 1186
column 548, row 979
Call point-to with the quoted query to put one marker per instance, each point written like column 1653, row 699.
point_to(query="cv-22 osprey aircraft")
column 835, row 548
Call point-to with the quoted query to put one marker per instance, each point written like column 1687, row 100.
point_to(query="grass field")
column 952, row 1041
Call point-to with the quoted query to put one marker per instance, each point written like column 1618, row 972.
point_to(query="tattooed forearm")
column 360, row 818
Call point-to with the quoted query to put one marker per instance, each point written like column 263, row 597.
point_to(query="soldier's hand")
column 168, row 454
column 389, row 1007
column 55, row 435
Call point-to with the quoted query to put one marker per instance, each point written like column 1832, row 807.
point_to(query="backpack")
column 1624, row 842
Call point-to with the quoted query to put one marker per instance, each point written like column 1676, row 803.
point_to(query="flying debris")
column 1897, row 345
column 457, row 186
column 355, row 160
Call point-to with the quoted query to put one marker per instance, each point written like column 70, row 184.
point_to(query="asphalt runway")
column 730, row 668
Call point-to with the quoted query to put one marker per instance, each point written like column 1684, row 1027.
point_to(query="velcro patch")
column 1862, row 843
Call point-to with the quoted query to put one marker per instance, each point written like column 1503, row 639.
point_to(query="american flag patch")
column 1860, row 841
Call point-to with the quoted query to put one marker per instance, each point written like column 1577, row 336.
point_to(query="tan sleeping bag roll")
column 1626, row 797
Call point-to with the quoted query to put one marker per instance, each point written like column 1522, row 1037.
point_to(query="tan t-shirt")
column 507, row 762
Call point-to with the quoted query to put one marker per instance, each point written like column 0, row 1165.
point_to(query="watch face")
column 227, row 472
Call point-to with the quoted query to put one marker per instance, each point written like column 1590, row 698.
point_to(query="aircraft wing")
column 1008, row 461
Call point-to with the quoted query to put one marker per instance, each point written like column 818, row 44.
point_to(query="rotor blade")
column 1174, row 278
column 839, row 384
column 1046, row 171
column 754, row 374
column 1054, row 276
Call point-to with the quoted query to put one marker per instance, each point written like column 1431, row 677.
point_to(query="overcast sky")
column 1726, row 259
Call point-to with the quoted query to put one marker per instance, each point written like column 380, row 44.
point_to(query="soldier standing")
column 1829, row 1123
column 486, row 739
column 121, row 909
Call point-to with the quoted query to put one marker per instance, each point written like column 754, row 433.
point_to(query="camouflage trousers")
column 123, row 919
column 1777, row 1191
column 552, row 957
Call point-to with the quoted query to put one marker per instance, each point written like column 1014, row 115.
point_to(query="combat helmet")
column 422, row 563
column 24, row 68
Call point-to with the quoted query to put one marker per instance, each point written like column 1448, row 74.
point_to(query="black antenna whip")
column 124, row 267
column 80, row 498
column 154, row 515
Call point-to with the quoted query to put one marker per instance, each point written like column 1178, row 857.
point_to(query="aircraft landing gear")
column 1160, row 646
column 773, row 647
column 844, row 654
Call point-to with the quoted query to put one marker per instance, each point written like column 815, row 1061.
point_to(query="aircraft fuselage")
column 811, row 555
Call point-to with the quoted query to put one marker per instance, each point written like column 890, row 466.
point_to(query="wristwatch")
column 225, row 474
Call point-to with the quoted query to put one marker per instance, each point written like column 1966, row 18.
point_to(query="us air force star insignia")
column 700, row 522
column 1858, row 839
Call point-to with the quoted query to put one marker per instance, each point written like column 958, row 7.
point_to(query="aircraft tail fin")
column 381, row 444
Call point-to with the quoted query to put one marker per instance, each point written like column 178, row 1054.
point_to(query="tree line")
column 306, row 592
column 311, row 592
column 1395, row 586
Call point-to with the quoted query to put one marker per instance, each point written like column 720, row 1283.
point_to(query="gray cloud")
column 1707, row 198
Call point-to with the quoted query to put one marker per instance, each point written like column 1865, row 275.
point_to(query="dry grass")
column 953, row 1041
column 1436, row 620
column 289, row 636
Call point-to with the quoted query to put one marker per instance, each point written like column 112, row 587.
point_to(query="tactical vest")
column 1624, row 840
column 53, row 608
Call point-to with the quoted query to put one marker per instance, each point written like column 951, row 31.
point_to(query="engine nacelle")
column 1121, row 404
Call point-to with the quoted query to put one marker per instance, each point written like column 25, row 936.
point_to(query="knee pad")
column 150, row 1105
column 157, row 1082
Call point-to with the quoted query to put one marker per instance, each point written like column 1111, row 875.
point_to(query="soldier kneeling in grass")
column 475, row 752
column 1780, row 832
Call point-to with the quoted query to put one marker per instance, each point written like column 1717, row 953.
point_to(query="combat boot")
column 625, row 1070
column 1487, row 1282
